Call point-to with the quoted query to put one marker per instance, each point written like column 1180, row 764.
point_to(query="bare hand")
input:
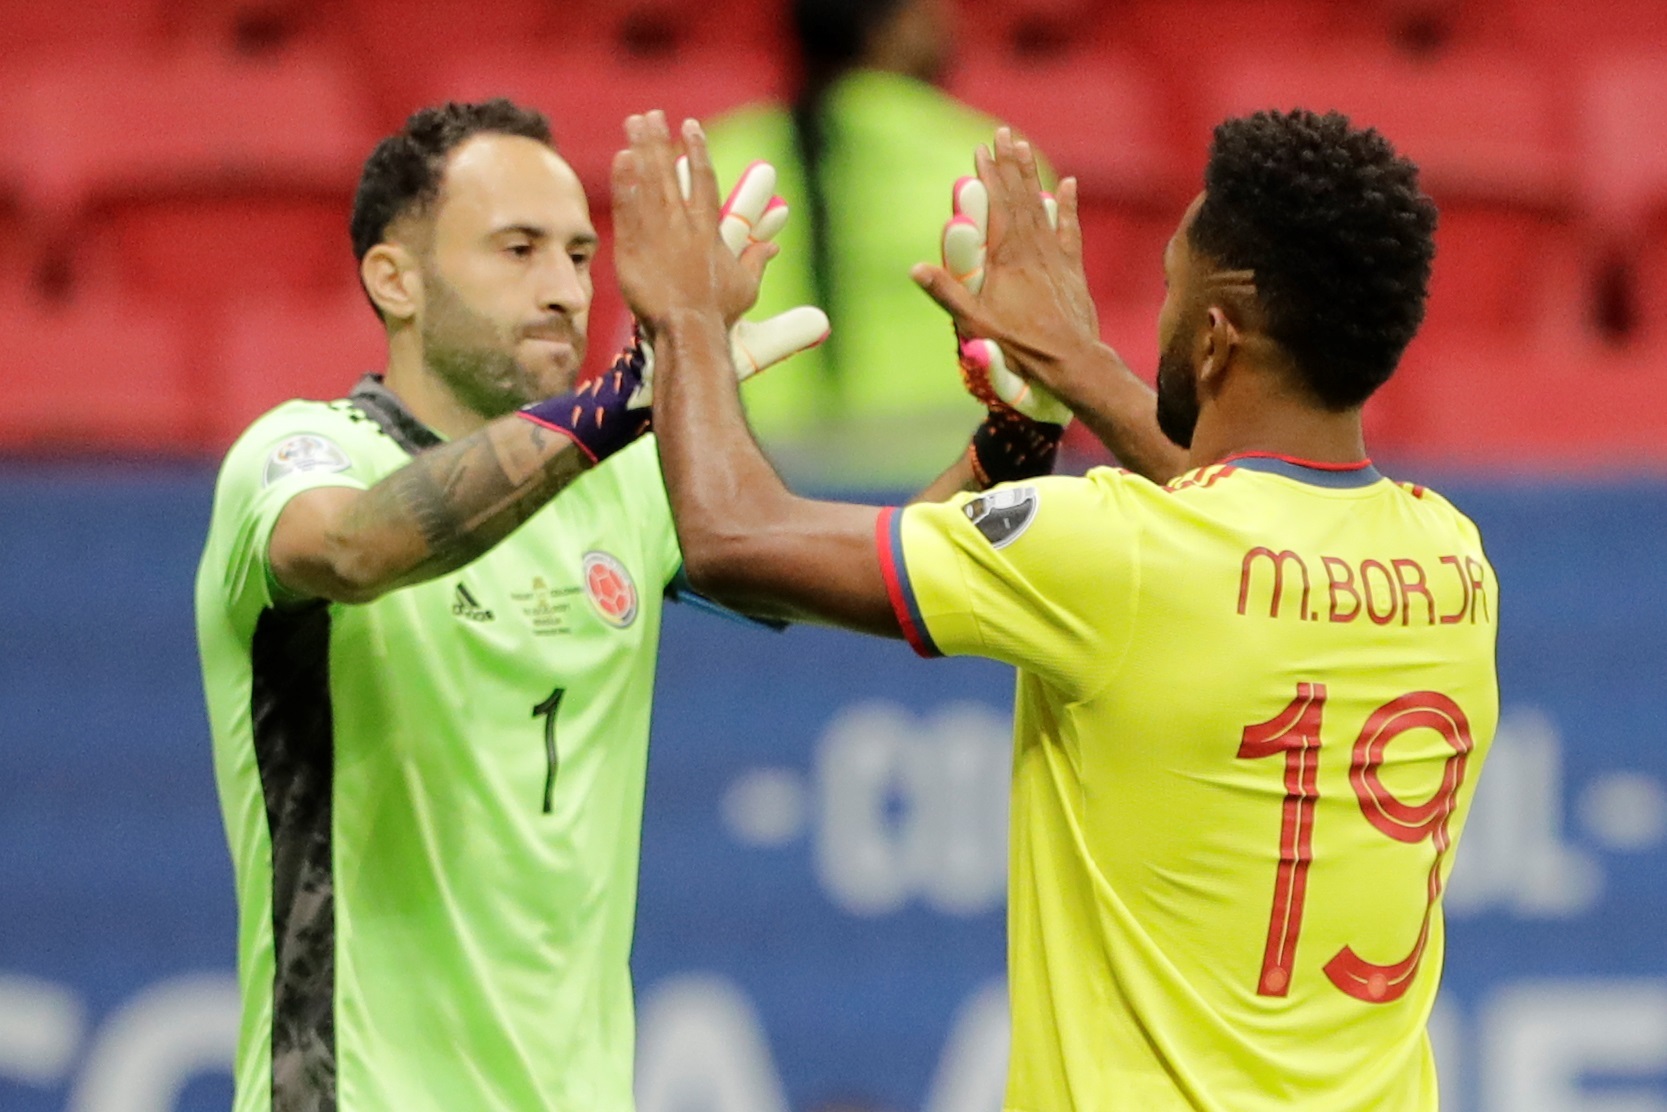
column 668, row 254
column 1034, row 302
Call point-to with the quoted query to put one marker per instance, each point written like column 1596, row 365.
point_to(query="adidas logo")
column 465, row 605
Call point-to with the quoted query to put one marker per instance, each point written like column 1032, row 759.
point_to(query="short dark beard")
column 1177, row 397
column 471, row 355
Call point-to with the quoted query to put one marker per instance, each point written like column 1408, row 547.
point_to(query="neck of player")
column 1263, row 412
column 426, row 394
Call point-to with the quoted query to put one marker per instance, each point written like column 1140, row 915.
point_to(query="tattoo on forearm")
column 428, row 495
column 462, row 498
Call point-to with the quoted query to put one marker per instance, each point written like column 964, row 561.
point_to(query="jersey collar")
column 378, row 403
column 1335, row 476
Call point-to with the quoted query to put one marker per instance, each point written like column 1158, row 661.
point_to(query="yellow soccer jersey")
column 1252, row 707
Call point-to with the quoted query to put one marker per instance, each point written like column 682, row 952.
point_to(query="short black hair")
column 405, row 170
column 1340, row 236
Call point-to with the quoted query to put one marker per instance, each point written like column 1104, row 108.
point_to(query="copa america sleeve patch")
column 300, row 454
column 1003, row 514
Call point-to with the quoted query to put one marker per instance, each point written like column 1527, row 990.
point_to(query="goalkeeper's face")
column 506, row 275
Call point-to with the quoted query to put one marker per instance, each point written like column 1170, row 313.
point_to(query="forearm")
column 718, row 482
column 748, row 541
column 450, row 505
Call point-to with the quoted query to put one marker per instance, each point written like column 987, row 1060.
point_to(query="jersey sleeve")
column 1042, row 575
column 298, row 447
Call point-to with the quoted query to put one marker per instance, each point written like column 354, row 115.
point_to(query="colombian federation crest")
column 1003, row 515
column 610, row 589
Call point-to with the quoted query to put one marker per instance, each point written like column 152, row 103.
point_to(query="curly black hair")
column 1339, row 235
column 405, row 170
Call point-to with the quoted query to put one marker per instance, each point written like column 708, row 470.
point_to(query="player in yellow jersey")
column 1253, row 702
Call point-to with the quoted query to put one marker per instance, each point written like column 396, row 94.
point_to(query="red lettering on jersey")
column 1344, row 585
column 1464, row 588
column 1410, row 587
column 1278, row 561
column 1478, row 593
column 1366, row 568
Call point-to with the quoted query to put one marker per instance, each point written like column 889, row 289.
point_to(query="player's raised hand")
column 983, row 366
column 1033, row 300
column 752, row 213
column 668, row 252
column 1020, row 435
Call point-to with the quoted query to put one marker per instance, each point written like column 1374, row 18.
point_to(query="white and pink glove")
column 982, row 363
column 1019, row 439
column 752, row 213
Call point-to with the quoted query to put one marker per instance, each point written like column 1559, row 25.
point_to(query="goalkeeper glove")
column 753, row 213
column 609, row 411
column 602, row 415
column 1019, row 438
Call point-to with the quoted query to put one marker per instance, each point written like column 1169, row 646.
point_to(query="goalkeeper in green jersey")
column 428, row 616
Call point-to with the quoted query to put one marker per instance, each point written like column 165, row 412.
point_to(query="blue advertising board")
column 822, row 892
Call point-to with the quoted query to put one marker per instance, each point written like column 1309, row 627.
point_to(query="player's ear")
column 393, row 280
column 1221, row 341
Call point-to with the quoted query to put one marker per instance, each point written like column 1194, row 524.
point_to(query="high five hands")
column 669, row 255
column 1033, row 298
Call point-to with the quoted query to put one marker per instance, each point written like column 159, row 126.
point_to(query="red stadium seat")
column 1624, row 164
column 36, row 31
column 1623, row 117
column 1176, row 30
column 1471, row 401
column 587, row 98
column 93, row 127
column 187, row 181
column 1026, row 30
column 401, row 47
column 1558, row 30
column 95, row 378
column 16, row 254
column 275, row 350
column 252, row 28
column 555, row 48
column 1484, row 131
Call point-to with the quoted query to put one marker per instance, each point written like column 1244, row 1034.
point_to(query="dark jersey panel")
column 290, row 704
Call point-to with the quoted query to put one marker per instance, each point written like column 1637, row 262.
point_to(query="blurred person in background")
column 1253, row 703
column 866, row 152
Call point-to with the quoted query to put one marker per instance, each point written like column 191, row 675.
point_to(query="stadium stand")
column 167, row 169
column 560, row 46
column 284, row 348
column 1116, row 140
column 1563, row 32
column 178, row 180
column 93, row 378
column 1625, row 172
column 1029, row 31
column 39, row 31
